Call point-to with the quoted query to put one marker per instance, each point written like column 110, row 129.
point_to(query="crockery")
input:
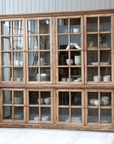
column 92, row 101
column 42, row 101
column 67, row 61
column 18, row 116
column 36, row 118
column 94, row 63
column 64, row 79
column 75, row 30
column 18, row 99
column 77, row 60
column 47, row 100
column 45, row 118
column 104, row 63
column 18, row 79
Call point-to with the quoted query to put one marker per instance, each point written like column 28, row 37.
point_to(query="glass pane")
column 44, row 26
column 33, row 97
column 33, row 74
column 17, row 43
column 6, row 59
column 75, row 25
column 45, row 74
column 93, row 116
column 33, row 42
column 44, row 42
column 44, row 58
column 105, row 23
column 6, row 43
column 18, row 97
column 63, row 74
column 105, row 40
column 63, row 42
column 7, row 97
column 7, row 112
column 18, row 58
column 105, row 57
column 34, row 113
column 76, row 115
column 93, row 99
column 75, row 42
column 92, row 74
column 106, row 99
column 76, row 57
column 18, row 74
column 17, row 28
column 32, row 27
column 7, row 74
column 64, row 58
column 76, row 98
column 92, row 57
column 92, row 24
column 18, row 113
column 92, row 41
column 45, row 98
column 45, row 113
column 105, row 74
column 76, row 74
column 6, row 28
column 63, row 98
column 106, row 116
column 33, row 58
column 64, row 114
column 63, row 25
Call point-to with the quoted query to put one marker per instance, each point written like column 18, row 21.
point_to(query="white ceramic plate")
column 94, row 63
column 104, row 63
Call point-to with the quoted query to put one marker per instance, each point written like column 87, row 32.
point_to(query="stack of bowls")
column 92, row 101
column 77, row 60
column 96, row 78
column 107, row 78
column 105, row 100
column 67, row 61
column 45, row 118
column 47, row 100
column 36, row 118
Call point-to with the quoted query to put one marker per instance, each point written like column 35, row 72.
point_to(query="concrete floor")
column 48, row 136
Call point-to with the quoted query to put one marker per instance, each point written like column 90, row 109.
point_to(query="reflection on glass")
column 92, row 74
column 6, row 28
column 6, row 59
column 45, row 114
column 6, row 43
column 93, row 116
column 92, row 41
column 17, row 28
column 44, row 26
column 63, row 98
column 18, row 113
column 33, row 58
column 18, row 58
column 17, row 43
column 44, row 42
column 63, row 74
column 45, row 74
column 75, row 42
column 7, row 112
column 64, row 114
column 75, row 25
column 76, row 57
column 32, row 27
column 92, row 57
column 63, row 58
column 44, row 58
column 105, row 40
column 105, row 74
column 76, row 115
column 105, row 57
column 92, row 24
column 7, row 74
column 93, row 99
column 33, row 97
column 105, row 23
column 45, row 98
column 63, row 25
column 18, row 74
column 76, row 74
column 106, row 116
column 7, row 97
column 34, row 113
column 63, row 42
column 106, row 99
column 76, row 98
column 33, row 74
column 33, row 42
column 18, row 97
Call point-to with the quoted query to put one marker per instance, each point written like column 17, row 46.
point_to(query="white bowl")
column 96, row 102
column 67, row 61
column 64, row 79
column 18, row 116
column 45, row 118
column 92, row 101
column 36, row 118
column 18, row 79
column 96, row 78
column 18, row 99
column 105, row 102
column 77, row 60
column 75, row 30
column 47, row 100
column 107, row 78
column 79, row 78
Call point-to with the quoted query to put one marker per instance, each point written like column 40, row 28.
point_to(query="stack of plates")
column 74, row 119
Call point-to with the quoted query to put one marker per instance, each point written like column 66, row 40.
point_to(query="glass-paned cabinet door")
column 70, row 107
column 98, row 48
column 39, row 50
column 39, row 106
column 69, row 47
column 99, row 107
column 13, row 105
column 12, row 51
